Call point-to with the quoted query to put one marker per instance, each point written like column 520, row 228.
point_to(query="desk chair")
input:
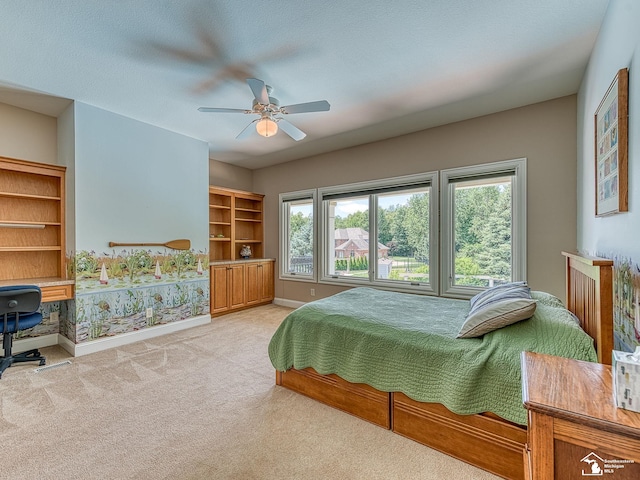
column 18, row 311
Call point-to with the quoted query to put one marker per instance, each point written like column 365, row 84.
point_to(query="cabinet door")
column 266, row 274
column 219, row 288
column 254, row 283
column 236, row 285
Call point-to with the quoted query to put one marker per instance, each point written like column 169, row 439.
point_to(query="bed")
column 460, row 396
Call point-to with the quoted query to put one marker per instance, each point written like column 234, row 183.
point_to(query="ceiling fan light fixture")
column 266, row 127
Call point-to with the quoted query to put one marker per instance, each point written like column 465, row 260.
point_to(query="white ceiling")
column 386, row 67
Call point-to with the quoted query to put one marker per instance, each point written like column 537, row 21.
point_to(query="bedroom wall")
column 230, row 176
column 615, row 236
column 27, row 135
column 135, row 182
column 545, row 133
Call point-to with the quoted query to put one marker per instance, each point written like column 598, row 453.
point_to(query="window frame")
column 517, row 168
column 373, row 189
column 285, row 200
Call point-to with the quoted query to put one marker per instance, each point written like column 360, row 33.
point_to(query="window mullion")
column 373, row 237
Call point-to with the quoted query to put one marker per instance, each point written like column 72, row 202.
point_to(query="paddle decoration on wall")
column 270, row 112
column 180, row 244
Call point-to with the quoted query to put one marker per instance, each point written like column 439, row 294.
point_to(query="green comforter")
column 406, row 343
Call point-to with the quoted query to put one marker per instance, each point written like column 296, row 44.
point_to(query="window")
column 395, row 248
column 483, row 226
column 297, row 233
column 452, row 238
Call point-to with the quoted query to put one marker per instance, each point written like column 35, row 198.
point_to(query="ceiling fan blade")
column 319, row 106
column 291, row 130
column 223, row 110
column 247, row 131
column 259, row 90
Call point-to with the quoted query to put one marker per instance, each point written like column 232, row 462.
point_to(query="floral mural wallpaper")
column 131, row 289
column 626, row 304
column 126, row 290
column 50, row 323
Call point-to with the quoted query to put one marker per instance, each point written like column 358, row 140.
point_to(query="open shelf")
column 32, row 203
column 236, row 215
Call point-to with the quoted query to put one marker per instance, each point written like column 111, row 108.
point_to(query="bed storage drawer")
column 485, row 440
column 360, row 400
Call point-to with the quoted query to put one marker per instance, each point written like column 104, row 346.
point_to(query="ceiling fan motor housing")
column 274, row 105
column 268, row 108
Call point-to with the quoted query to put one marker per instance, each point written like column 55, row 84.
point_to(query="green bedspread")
column 406, row 343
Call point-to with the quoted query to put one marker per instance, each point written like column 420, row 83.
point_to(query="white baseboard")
column 100, row 344
column 67, row 344
column 283, row 302
column 32, row 343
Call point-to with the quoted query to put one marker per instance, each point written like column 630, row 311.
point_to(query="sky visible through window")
column 347, row 207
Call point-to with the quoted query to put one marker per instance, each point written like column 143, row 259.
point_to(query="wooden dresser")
column 575, row 429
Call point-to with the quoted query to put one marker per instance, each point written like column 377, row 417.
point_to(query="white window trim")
column 519, row 222
column 283, row 200
column 406, row 180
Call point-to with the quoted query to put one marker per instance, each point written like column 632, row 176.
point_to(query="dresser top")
column 581, row 392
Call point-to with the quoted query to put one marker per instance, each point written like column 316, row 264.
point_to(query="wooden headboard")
column 589, row 296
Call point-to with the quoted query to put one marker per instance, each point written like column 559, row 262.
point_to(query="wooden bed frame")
column 484, row 440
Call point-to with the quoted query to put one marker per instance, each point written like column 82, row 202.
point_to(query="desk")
column 574, row 422
column 53, row 289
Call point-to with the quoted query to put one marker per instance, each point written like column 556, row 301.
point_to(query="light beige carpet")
column 197, row 404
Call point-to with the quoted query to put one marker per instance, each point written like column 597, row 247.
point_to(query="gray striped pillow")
column 493, row 291
column 496, row 308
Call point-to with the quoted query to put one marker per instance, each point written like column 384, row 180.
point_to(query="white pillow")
column 497, row 308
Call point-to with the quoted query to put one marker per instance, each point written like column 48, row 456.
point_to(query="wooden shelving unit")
column 32, row 222
column 235, row 219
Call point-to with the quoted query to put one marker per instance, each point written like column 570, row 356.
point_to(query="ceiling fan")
column 270, row 111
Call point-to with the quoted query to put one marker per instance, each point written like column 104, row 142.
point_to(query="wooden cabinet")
column 575, row 428
column 32, row 226
column 235, row 219
column 259, row 278
column 227, row 287
column 241, row 284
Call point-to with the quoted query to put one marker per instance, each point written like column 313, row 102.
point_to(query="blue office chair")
column 19, row 310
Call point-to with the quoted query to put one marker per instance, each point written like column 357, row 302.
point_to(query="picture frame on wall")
column 611, row 147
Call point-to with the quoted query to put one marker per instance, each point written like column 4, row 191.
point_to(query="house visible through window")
column 392, row 248
column 347, row 253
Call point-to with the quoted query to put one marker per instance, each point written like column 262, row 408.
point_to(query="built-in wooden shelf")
column 26, row 195
column 42, row 248
column 32, row 220
column 237, row 215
